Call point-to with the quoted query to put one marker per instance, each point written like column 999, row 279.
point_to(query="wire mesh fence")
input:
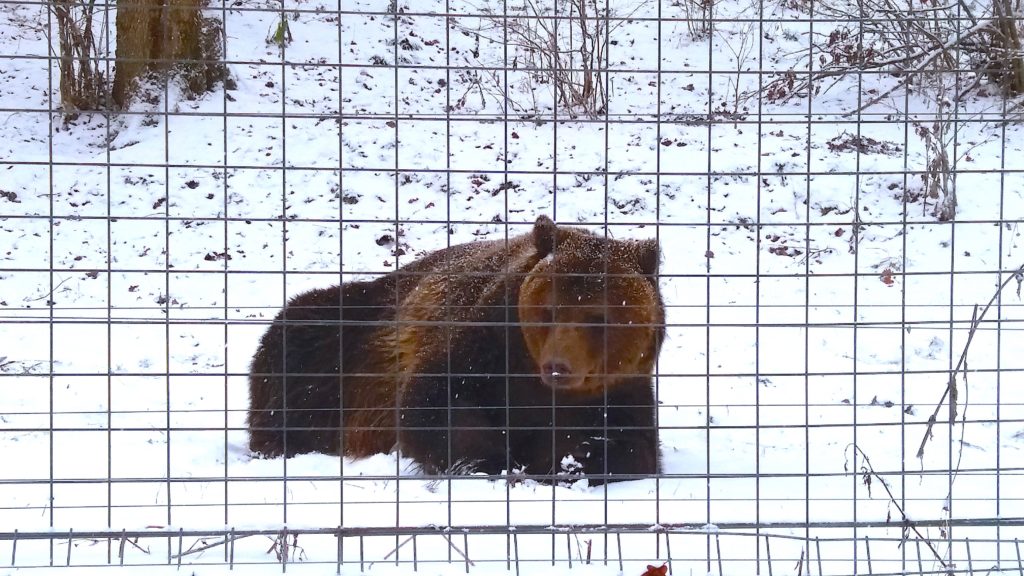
column 835, row 190
column 533, row 549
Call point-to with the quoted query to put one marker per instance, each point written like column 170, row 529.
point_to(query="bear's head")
column 590, row 309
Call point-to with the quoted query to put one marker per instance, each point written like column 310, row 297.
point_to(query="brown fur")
column 492, row 355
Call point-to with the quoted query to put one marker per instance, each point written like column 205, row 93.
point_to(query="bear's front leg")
column 624, row 454
column 609, row 443
column 444, row 430
column 552, row 454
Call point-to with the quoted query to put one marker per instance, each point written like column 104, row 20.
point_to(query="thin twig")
column 395, row 550
column 951, row 382
column 50, row 293
column 226, row 540
column 925, row 60
column 138, row 547
column 908, row 524
column 456, row 548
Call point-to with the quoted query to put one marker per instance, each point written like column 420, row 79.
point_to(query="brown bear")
column 531, row 355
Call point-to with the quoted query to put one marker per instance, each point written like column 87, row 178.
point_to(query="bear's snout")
column 557, row 373
column 554, row 369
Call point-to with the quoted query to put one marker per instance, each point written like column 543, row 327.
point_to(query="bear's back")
column 458, row 282
column 443, row 292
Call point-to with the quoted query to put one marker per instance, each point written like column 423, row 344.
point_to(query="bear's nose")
column 555, row 372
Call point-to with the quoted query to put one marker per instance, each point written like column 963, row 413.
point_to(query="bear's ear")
column 544, row 232
column 649, row 256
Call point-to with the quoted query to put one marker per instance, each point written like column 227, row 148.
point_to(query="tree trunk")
column 1007, row 47
column 156, row 35
column 134, row 52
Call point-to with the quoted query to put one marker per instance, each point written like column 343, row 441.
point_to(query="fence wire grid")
column 836, row 189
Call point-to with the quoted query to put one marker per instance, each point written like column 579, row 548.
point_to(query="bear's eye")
column 596, row 329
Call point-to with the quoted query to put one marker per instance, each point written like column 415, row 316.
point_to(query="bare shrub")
column 150, row 36
column 945, row 146
column 563, row 45
column 700, row 17
column 83, row 85
column 938, row 51
column 741, row 45
column 938, row 177
column 1006, row 53
column 571, row 51
column 911, row 41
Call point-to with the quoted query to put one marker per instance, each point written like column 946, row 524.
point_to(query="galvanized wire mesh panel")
column 604, row 549
column 836, row 189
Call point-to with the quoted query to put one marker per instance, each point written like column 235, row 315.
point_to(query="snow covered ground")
column 815, row 306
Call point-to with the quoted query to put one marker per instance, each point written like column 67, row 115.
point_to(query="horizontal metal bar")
column 732, row 528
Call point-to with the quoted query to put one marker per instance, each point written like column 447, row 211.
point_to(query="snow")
column 814, row 314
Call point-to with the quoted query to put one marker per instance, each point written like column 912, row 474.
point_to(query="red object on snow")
column 656, row 570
